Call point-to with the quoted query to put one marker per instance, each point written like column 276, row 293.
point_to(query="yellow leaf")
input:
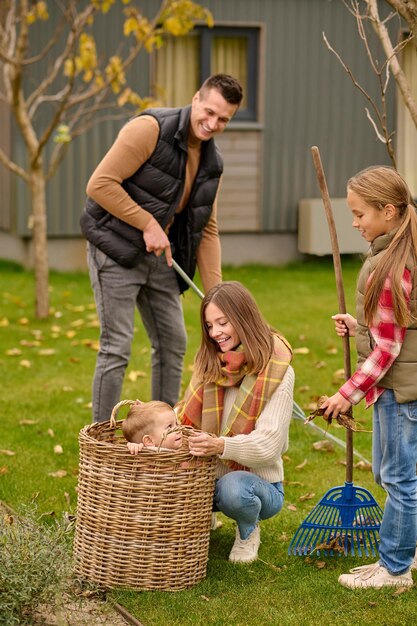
column 25, row 422
column 13, row 352
column 4, row 322
column 46, row 352
column 303, row 464
column 332, row 350
column 307, row 496
column 58, row 449
column 25, row 363
column 323, row 446
column 301, row 350
column 7, row 452
column 70, row 334
column 23, row 321
column 135, row 374
column 304, row 388
column 3, row 470
column 77, row 323
column 291, row 507
column 30, row 344
column 51, row 432
column 58, row 474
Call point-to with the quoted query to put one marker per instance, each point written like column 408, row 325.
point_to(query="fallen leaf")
column 58, row 474
column 301, row 350
column 307, row 496
column 58, row 449
column 7, row 452
column 339, row 376
column 70, row 334
column 3, row 470
column 332, row 350
column 25, row 363
column 47, row 352
column 367, row 467
column 205, row 598
column 135, row 374
column 23, row 321
column 400, row 590
column 67, row 388
column 28, row 422
column 13, row 352
column 294, row 483
column 304, row 388
column 291, row 507
column 77, row 323
column 286, row 458
column 323, row 446
column 320, row 564
column 4, row 322
column 51, row 432
column 303, row 464
column 320, row 364
column 74, row 359
column 30, row 344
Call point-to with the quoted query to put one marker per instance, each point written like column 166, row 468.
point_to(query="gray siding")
column 306, row 98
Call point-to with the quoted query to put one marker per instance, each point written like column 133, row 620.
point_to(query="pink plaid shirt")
column 388, row 338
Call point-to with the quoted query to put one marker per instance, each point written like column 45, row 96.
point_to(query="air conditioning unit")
column 313, row 230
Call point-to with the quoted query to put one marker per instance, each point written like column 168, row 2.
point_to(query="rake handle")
column 340, row 290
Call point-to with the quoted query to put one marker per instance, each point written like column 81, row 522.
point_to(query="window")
column 185, row 62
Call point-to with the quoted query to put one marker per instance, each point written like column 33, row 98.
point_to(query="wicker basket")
column 143, row 521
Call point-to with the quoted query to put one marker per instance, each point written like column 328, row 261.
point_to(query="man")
column 154, row 195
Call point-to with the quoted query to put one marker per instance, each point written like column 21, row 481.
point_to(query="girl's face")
column 371, row 222
column 220, row 329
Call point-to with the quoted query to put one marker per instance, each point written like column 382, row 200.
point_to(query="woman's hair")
column 379, row 186
column 141, row 417
column 239, row 307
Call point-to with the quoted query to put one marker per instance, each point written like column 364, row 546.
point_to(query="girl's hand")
column 134, row 448
column 334, row 405
column 345, row 322
column 203, row 444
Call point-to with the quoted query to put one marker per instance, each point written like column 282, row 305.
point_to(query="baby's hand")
column 344, row 322
column 134, row 448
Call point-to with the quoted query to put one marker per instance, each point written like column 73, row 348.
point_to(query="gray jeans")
column 152, row 287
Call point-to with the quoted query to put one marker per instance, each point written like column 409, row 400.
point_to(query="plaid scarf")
column 202, row 406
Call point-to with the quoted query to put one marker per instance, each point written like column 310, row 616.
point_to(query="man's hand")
column 157, row 241
column 203, row 444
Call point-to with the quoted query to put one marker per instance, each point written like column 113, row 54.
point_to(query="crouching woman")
column 241, row 391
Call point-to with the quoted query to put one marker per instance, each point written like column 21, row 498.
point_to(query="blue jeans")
column 247, row 498
column 394, row 458
column 152, row 287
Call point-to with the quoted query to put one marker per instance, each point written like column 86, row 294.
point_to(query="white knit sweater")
column 262, row 449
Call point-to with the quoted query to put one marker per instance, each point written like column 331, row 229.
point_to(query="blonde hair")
column 255, row 334
column 141, row 418
column 379, row 186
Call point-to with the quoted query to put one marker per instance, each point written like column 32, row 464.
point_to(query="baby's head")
column 148, row 423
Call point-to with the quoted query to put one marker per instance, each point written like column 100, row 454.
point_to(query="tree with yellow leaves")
column 76, row 87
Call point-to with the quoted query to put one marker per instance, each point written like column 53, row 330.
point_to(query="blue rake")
column 347, row 519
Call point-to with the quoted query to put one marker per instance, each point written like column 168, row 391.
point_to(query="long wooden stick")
column 340, row 290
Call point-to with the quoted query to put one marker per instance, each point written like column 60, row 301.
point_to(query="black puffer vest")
column 157, row 187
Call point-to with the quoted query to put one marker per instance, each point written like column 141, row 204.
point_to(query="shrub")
column 35, row 564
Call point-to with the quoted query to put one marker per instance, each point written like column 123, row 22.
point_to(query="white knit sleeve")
column 269, row 439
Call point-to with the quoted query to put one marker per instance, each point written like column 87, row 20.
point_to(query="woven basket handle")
column 116, row 408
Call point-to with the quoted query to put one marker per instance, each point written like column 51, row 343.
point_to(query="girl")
column 386, row 341
column 242, row 392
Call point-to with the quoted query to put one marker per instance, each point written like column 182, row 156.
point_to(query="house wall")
column 306, row 99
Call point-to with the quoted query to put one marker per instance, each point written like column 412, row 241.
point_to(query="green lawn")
column 47, row 367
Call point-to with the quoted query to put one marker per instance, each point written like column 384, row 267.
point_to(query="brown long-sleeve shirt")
column 133, row 146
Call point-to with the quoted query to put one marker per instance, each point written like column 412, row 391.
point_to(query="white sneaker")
column 375, row 576
column 215, row 523
column 246, row 550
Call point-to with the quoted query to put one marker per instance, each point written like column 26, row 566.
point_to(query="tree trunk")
column 40, row 241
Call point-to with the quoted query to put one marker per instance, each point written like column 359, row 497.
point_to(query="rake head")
column 345, row 521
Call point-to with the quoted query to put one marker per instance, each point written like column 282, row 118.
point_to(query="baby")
column 150, row 424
